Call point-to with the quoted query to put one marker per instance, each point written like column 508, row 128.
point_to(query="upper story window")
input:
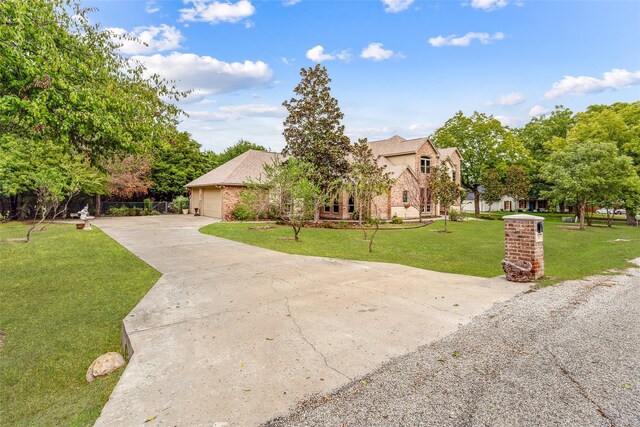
column 425, row 164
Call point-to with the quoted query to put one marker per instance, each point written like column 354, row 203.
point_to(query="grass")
column 62, row 299
column 473, row 247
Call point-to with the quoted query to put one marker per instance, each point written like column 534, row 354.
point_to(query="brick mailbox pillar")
column 523, row 244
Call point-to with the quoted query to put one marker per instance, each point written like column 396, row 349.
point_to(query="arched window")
column 425, row 164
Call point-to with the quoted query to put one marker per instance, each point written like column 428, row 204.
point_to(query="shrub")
column 281, row 222
column 243, row 213
column 396, row 220
column 456, row 215
column 147, row 204
column 181, row 202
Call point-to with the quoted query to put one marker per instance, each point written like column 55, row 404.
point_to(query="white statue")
column 84, row 213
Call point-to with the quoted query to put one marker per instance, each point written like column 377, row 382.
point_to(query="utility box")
column 524, row 247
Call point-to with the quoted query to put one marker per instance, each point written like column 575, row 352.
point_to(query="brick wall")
column 230, row 199
column 521, row 243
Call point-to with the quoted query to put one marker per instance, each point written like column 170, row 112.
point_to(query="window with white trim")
column 425, row 164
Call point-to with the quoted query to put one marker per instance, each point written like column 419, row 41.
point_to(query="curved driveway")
column 234, row 334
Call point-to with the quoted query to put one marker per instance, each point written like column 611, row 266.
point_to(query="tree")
column 312, row 130
column 483, row 143
column 128, row 177
column 517, row 184
column 291, row 194
column 365, row 181
column 493, row 187
column 587, row 171
column 61, row 79
column 235, row 150
column 444, row 190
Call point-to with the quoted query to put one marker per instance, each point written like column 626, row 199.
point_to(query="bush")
column 456, row 215
column 147, row 204
column 181, row 202
column 281, row 222
column 396, row 220
column 243, row 213
column 127, row 211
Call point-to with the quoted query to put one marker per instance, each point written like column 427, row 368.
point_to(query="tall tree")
column 587, row 171
column 313, row 131
column 517, row 184
column 235, row 150
column 444, row 190
column 483, row 143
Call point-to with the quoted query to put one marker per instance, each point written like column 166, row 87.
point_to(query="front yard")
column 473, row 247
column 62, row 300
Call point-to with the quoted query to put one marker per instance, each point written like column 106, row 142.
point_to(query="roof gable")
column 246, row 167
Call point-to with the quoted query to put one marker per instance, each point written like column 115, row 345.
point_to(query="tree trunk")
column 99, row 205
column 13, row 205
column 476, row 199
column 631, row 218
column 583, row 209
column 445, row 221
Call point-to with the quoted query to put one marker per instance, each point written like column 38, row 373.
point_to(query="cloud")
column 395, row 6
column 290, row 2
column 376, row 52
column 151, row 6
column 513, row 98
column 227, row 113
column 538, row 110
column 317, row 54
column 215, row 12
column 583, row 85
column 149, row 39
column 488, row 5
column 463, row 41
column 207, row 75
column 422, row 127
column 509, row 121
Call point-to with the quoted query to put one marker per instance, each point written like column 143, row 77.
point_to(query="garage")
column 212, row 203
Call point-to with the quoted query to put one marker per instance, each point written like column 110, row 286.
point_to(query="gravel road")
column 565, row 355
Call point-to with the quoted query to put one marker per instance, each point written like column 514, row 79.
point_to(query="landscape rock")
column 104, row 365
column 518, row 271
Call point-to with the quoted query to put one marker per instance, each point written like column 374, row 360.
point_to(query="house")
column 409, row 163
column 505, row 203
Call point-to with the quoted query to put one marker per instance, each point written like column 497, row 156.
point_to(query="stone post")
column 524, row 251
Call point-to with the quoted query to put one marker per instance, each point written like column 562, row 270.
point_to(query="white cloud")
column 317, row 54
column 151, row 6
column 454, row 40
column 376, row 52
column 395, row 6
column 290, row 2
column 537, row 110
column 488, row 5
column 513, row 98
column 149, row 39
column 422, row 127
column 216, row 12
column 207, row 75
column 509, row 121
column 227, row 113
column 583, row 85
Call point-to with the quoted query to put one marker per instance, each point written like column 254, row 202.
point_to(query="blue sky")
column 398, row 66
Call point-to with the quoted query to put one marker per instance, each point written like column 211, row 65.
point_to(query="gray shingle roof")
column 246, row 167
column 396, row 145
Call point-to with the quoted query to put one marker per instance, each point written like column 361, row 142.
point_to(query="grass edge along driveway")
column 473, row 247
column 62, row 300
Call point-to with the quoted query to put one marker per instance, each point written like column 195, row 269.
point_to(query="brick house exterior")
column 217, row 193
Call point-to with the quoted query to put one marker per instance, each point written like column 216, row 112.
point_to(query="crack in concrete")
column 304, row 338
column 579, row 386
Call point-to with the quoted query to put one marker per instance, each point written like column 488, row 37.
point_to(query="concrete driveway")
column 234, row 335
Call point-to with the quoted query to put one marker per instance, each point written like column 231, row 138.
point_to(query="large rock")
column 518, row 271
column 104, row 365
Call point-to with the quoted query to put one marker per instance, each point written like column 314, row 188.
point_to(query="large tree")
column 483, row 143
column 517, row 184
column 444, row 190
column 493, row 188
column 588, row 171
column 313, row 131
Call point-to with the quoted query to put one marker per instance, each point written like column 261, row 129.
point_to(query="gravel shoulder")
column 565, row 355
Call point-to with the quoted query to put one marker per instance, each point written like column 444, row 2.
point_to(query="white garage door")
column 212, row 202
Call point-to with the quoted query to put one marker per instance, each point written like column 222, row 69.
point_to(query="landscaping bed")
column 62, row 300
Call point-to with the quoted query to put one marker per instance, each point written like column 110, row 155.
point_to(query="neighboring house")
column 506, row 203
column 409, row 163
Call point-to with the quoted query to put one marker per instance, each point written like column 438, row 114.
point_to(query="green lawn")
column 62, row 299
column 473, row 247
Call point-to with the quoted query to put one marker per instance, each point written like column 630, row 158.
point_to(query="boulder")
column 104, row 365
column 518, row 271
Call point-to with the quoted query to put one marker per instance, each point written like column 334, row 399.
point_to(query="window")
column 336, row 206
column 425, row 164
column 453, row 175
column 327, row 208
column 425, row 197
column 352, row 205
column 405, row 197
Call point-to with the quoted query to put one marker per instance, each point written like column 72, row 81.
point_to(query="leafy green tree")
column 444, row 190
column 179, row 160
column 61, row 79
column 517, row 184
column 313, row 131
column 587, row 171
column 493, row 187
column 483, row 143
column 235, row 150
column 365, row 181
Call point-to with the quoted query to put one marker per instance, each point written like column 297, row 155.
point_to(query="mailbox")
column 539, row 231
